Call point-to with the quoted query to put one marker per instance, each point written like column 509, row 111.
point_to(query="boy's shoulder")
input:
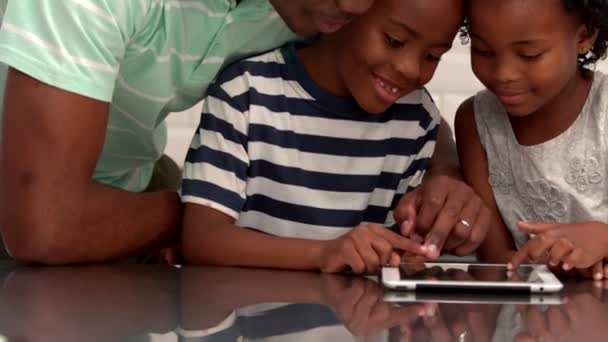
column 269, row 64
column 420, row 98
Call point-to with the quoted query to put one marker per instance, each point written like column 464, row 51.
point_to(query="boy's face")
column 394, row 48
column 307, row 17
column 525, row 52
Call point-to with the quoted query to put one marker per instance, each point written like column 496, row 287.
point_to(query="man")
column 89, row 85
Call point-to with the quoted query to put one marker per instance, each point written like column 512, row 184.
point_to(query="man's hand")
column 447, row 212
column 365, row 249
column 576, row 245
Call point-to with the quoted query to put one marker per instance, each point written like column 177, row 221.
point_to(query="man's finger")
column 478, row 234
column 407, row 207
column 431, row 204
column 469, row 216
column 448, row 217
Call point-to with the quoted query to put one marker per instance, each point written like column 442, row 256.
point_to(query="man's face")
column 307, row 17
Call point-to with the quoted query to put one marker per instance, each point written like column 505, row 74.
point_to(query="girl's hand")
column 576, row 245
column 365, row 249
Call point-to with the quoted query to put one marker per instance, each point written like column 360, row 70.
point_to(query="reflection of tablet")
column 404, row 297
column 471, row 278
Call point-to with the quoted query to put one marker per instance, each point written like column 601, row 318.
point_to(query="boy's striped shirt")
column 282, row 156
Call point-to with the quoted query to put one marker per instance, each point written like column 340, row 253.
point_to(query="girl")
column 534, row 143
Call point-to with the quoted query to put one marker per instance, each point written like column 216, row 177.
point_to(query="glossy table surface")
column 162, row 303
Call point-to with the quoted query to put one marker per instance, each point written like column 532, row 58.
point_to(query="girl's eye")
column 433, row 58
column 532, row 57
column 392, row 42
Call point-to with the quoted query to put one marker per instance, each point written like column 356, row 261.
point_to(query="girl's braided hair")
column 594, row 14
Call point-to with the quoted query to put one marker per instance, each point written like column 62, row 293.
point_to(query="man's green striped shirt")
column 146, row 57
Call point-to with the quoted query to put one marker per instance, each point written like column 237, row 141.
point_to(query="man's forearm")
column 445, row 157
column 97, row 223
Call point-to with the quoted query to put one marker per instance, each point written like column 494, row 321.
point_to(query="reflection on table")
column 160, row 303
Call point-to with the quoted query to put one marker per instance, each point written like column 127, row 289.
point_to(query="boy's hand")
column 365, row 249
column 359, row 303
column 576, row 245
column 437, row 210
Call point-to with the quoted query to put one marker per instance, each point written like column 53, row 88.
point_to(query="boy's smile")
column 387, row 90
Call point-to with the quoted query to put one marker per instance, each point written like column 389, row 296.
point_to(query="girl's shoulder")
column 598, row 96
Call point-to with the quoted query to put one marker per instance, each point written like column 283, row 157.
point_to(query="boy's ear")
column 586, row 38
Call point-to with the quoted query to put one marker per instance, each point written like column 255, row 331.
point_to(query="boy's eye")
column 481, row 52
column 393, row 42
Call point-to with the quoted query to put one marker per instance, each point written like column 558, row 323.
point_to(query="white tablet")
column 470, row 277
column 407, row 297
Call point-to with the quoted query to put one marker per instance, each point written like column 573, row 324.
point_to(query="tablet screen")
column 468, row 273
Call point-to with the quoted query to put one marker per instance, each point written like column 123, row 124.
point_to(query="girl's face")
column 525, row 52
column 394, row 48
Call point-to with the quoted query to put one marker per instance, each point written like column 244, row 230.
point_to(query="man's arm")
column 50, row 209
column 445, row 157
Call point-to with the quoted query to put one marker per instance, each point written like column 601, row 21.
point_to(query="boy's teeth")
column 387, row 88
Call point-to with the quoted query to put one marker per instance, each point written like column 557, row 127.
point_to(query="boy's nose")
column 409, row 69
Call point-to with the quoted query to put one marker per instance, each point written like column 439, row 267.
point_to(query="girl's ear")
column 585, row 39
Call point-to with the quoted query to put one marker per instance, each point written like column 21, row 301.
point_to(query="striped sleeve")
column 75, row 45
column 215, row 172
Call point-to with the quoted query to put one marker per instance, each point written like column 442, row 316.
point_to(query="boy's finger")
column 382, row 248
column 598, row 271
column 353, row 259
column 395, row 259
column 370, row 257
column 401, row 243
